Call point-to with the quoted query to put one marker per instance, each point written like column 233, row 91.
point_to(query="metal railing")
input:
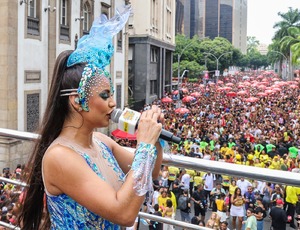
column 262, row 174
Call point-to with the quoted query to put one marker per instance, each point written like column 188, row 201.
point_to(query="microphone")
column 128, row 121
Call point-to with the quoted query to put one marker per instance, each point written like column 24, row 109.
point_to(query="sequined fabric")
column 66, row 213
column 143, row 164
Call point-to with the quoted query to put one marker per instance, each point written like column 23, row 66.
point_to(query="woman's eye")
column 105, row 95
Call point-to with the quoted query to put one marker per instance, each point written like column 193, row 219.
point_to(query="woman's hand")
column 149, row 129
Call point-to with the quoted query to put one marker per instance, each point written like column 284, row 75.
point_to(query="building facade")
column 214, row 18
column 34, row 33
column 151, row 31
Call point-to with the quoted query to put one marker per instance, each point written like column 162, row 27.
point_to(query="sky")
column 262, row 15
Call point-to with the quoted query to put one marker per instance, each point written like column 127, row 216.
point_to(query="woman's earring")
column 80, row 109
column 76, row 100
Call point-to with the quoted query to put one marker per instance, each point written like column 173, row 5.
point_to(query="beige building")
column 33, row 33
column 151, row 31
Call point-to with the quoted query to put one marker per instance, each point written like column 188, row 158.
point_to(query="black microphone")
column 128, row 121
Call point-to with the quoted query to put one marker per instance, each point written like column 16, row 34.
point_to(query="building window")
column 32, row 111
column 119, row 96
column 153, row 14
column 87, row 18
column 153, row 87
column 120, row 40
column 105, row 9
column 154, row 55
column 64, row 20
column 33, row 21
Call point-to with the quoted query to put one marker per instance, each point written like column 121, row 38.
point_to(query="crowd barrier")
column 223, row 168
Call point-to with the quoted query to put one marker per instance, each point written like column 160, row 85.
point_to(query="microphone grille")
column 115, row 115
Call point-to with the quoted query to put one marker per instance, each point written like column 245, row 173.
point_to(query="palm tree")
column 292, row 42
column 289, row 19
column 252, row 44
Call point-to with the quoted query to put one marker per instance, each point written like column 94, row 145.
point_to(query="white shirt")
column 243, row 185
column 209, row 181
column 185, row 180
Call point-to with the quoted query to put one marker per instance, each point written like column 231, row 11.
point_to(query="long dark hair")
column 57, row 110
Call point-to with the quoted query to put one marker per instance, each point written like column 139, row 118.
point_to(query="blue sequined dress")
column 66, row 213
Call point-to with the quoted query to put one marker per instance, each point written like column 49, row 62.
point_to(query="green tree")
column 292, row 42
column 289, row 19
column 252, row 44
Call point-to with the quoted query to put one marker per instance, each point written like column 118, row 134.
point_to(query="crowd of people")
column 250, row 120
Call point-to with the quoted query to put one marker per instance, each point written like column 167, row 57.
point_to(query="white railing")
column 262, row 174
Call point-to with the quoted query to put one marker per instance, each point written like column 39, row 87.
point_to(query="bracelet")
column 142, row 166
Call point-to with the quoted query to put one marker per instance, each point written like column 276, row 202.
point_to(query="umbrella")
column 229, row 84
column 231, row 94
column 123, row 135
column 261, row 94
column 182, row 110
column 188, row 99
column 195, row 94
column 252, row 99
column 242, row 93
column 166, row 100
column 220, row 82
column 294, row 86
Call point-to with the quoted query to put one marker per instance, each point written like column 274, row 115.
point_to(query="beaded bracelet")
column 142, row 165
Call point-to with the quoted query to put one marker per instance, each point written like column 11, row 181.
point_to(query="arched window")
column 86, row 12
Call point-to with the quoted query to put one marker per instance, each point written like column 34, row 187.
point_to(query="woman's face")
column 101, row 104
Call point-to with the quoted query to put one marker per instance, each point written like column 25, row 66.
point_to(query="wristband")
column 142, row 166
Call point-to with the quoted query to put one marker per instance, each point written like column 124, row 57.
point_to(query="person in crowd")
column 221, row 207
column 260, row 213
column 200, row 202
column 209, row 180
column 243, row 184
column 169, row 212
column 250, row 223
column 278, row 216
column 249, row 198
column 224, row 225
column 291, row 200
column 213, row 221
column 237, row 208
column 215, row 194
column 81, row 171
column 155, row 225
column 278, row 193
column 267, row 193
column 185, row 212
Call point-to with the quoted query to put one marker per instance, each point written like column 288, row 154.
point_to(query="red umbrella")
column 195, row 94
column 229, row 84
column 175, row 92
column 123, row 135
column 242, row 93
column 294, row 86
column 182, row 110
column 261, row 94
column 166, row 100
column 188, row 99
column 252, row 99
column 231, row 94
column 227, row 88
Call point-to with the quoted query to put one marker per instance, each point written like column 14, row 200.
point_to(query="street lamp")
column 286, row 62
column 179, row 56
column 218, row 58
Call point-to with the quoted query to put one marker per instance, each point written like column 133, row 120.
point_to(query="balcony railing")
column 33, row 26
column 262, row 174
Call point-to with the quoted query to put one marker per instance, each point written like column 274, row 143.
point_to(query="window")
column 32, row 111
column 86, row 20
column 119, row 96
column 33, row 21
column 120, row 40
column 64, row 20
column 153, row 54
column 153, row 87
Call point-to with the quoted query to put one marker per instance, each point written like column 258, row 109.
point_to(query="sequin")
column 66, row 213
